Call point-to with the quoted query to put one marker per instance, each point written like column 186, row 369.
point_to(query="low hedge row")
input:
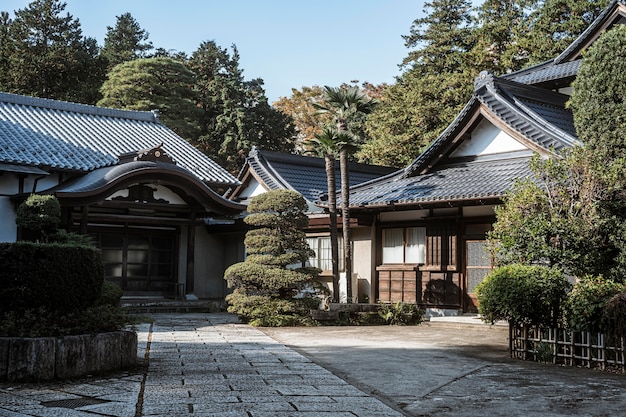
column 56, row 277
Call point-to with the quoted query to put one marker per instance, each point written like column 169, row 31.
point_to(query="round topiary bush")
column 523, row 294
column 40, row 215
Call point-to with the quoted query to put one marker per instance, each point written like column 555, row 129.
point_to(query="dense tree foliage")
column 559, row 217
column 299, row 106
column 268, row 286
column 125, row 41
column 430, row 93
column 160, row 84
column 599, row 97
column 44, row 54
column 235, row 113
column 554, row 24
column 499, row 24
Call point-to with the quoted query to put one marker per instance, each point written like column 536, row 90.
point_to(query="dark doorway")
column 140, row 261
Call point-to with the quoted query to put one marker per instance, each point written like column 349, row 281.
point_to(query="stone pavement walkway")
column 200, row 365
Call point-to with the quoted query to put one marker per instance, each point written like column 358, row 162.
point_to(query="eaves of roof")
column 99, row 183
column 62, row 136
column 531, row 113
column 304, row 174
column 480, row 179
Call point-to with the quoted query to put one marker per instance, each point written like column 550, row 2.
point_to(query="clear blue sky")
column 287, row 43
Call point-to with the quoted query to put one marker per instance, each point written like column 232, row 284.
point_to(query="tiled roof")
column 58, row 135
column 305, row 174
column 538, row 115
column 547, row 71
column 485, row 178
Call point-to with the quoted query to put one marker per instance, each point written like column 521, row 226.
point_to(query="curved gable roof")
column 102, row 182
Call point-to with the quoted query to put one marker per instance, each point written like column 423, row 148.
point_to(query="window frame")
column 405, row 245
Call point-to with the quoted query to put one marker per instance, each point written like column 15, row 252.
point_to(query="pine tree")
column 50, row 58
column 267, row 285
column 235, row 115
column 499, row 25
column 125, row 41
column 161, row 84
column 555, row 24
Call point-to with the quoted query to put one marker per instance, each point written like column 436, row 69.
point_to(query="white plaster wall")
column 41, row 184
column 252, row 190
column 396, row 216
column 8, row 228
column 478, row 211
column 362, row 262
column 487, row 139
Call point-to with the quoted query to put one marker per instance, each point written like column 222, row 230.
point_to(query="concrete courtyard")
column 210, row 365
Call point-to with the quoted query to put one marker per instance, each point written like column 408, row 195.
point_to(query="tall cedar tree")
column 499, row 24
column 599, row 106
column 125, row 41
column 161, row 84
column 554, row 24
column 235, row 113
column 46, row 55
column 427, row 97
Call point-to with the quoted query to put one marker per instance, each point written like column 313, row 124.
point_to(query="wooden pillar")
column 191, row 250
column 83, row 220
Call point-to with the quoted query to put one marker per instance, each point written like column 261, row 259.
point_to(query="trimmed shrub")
column 268, row 311
column 273, row 287
column 39, row 214
column 615, row 315
column 111, row 295
column 523, row 294
column 585, row 305
column 43, row 323
column 58, row 278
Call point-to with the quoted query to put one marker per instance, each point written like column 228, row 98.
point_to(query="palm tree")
column 345, row 104
column 325, row 144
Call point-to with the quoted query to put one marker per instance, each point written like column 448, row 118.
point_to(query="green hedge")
column 523, row 294
column 55, row 277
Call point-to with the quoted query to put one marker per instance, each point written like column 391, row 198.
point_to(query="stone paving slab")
column 201, row 365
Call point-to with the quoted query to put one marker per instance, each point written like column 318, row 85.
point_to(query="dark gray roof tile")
column 305, row 174
column 76, row 137
column 478, row 179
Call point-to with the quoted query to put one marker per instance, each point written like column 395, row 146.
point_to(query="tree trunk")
column 345, row 213
column 332, row 211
